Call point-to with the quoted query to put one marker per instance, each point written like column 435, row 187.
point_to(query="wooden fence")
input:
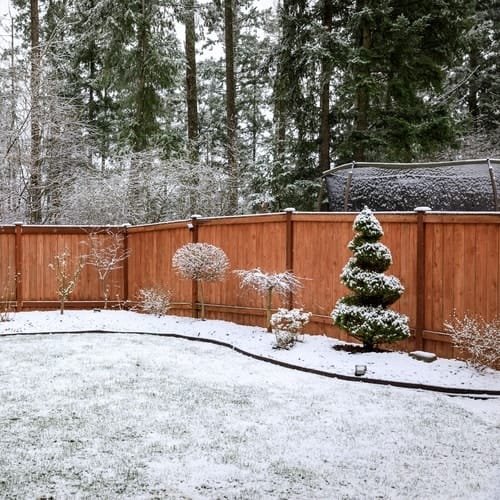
column 447, row 262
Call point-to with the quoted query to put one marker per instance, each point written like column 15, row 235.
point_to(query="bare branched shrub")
column 266, row 284
column 154, row 300
column 477, row 339
column 67, row 274
column 288, row 325
column 6, row 302
column 106, row 254
column 201, row 262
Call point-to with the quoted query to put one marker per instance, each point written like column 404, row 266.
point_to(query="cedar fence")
column 446, row 261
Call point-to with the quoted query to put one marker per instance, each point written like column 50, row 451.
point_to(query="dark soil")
column 356, row 348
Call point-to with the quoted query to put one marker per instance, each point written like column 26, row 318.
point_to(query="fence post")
column 125, row 263
column 193, row 227
column 289, row 249
column 420, row 319
column 18, row 259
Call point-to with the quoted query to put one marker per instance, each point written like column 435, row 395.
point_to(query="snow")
column 454, row 187
column 316, row 351
column 104, row 415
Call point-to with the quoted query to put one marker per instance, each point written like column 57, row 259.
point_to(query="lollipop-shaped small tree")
column 364, row 314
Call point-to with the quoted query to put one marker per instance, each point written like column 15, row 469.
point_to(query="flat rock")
column 428, row 357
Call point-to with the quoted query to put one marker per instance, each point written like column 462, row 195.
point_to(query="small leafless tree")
column 67, row 274
column 201, row 262
column 266, row 284
column 106, row 254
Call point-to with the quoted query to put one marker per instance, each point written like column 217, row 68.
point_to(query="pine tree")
column 364, row 314
column 399, row 56
column 474, row 85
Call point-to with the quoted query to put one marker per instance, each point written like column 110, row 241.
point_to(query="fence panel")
column 249, row 242
column 7, row 264
column 460, row 269
column 462, row 272
column 150, row 262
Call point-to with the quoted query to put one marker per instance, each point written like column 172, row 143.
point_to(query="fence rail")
column 448, row 262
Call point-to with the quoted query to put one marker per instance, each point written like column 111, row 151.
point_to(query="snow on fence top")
column 467, row 185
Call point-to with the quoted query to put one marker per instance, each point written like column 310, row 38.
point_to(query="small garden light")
column 359, row 370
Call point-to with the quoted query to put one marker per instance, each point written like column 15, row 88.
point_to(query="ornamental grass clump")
column 288, row 325
column 364, row 313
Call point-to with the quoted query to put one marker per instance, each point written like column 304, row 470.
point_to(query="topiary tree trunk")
column 364, row 314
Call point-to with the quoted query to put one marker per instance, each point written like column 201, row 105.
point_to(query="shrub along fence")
column 446, row 261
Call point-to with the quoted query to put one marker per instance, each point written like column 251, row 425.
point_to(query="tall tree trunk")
column 472, row 100
column 279, row 122
column 139, row 137
column 324, row 134
column 254, row 116
column 13, row 159
column 191, row 79
column 231, row 106
column 35, row 187
column 362, row 94
column 191, row 100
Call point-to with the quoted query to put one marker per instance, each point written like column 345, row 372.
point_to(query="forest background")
column 151, row 110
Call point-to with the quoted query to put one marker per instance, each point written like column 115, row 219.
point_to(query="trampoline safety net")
column 469, row 185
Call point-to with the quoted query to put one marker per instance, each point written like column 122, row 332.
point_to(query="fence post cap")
column 18, row 223
column 422, row 209
column 289, row 210
column 196, row 216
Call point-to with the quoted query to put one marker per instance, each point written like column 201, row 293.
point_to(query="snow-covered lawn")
column 135, row 416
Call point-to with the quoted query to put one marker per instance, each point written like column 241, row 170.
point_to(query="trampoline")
column 465, row 186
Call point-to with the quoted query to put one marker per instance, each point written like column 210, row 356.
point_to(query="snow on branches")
column 201, row 262
column 476, row 338
column 265, row 284
column 67, row 274
column 364, row 313
column 154, row 300
column 288, row 325
column 106, row 253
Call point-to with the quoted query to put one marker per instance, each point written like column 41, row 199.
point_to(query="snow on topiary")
column 201, row 262
column 266, row 284
column 364, row 314
column 288, row 325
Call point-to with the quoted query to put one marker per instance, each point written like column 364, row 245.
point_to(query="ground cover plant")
column 124, row 416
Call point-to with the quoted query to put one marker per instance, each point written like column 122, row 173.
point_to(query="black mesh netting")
column 452, row 186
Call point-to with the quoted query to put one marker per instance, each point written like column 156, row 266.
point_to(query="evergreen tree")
column 474, row 85
column 364, row 314
column 310, row 57
column 398, row 62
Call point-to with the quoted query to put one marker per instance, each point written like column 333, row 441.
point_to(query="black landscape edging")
column 450, row 391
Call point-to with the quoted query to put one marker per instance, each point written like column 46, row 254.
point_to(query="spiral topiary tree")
column 364, row 314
